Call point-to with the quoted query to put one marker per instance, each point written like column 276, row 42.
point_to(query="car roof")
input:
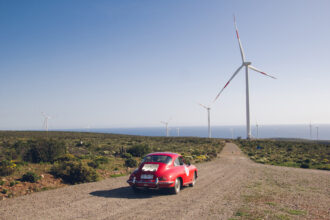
column 170, row 154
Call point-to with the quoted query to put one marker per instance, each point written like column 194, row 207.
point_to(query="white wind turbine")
column 257, row 126
column 310, row 130
column 247, row 66
column 166, row 125
column 45, row 123
column 208, row 109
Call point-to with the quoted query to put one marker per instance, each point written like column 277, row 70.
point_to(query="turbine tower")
column 166, row 125
column 208, row 108
column 257, row 126
column 247, row 66
column 45, row 123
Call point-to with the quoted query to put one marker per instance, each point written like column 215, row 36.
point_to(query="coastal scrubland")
column 290, row 153
column 36, row 161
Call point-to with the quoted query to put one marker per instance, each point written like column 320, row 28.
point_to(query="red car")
column 163, row 170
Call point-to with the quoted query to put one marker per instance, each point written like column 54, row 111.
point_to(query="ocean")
column 263, row 131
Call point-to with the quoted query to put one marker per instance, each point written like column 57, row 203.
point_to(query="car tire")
column 177, row 186
column 194, row 180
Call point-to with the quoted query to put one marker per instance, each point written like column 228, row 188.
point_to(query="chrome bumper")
column 155, row 182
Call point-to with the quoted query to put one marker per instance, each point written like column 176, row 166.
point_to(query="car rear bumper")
column 150, row 183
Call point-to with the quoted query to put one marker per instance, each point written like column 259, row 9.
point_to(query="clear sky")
column 135, row 63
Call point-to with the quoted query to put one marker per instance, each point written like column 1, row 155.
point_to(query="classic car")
column 163, row 170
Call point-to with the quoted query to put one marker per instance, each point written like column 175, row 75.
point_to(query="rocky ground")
column 230, row 187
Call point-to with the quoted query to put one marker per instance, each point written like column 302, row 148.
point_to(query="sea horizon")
column 228, row 131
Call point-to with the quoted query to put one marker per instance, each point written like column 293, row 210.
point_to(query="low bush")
column 130, row 162
column 96, row 162
column 7, row 167
column 74, row 172
column 93, row 164
column 126, row 155
column 44, row 150
column 139, row 150
column 304, row 165
column 66, row 157
column 30, row 177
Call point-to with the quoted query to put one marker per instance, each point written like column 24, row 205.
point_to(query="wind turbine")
column 166, row 125
column 317, row 133
column 257, row 126
column 208, row 108
column 247, row 66
column 45, row 124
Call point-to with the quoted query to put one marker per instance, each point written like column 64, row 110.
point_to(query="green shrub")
column 139, row 150
column 74, row 172
column 30, row 177
column 94, row 164
column 304, row 165
column 126, row 155
column 66, row 157
column 130, row 162
column 102, row 160
column 7, row 167
column 44, row 150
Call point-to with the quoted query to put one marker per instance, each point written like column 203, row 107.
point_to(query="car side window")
column 181, row 161
column 177, row 162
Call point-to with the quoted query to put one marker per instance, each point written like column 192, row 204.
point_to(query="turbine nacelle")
column 247, row 63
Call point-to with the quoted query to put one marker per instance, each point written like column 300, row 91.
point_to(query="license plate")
column 147, row 176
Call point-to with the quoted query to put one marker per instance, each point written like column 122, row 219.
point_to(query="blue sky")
column 135, row 63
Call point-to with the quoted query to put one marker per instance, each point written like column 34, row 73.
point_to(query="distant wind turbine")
column 46, row 118
column 178, row 131
column 208, row 108
column 247, row 66
column 166, row 125
column 257, row 126
column 317, row 133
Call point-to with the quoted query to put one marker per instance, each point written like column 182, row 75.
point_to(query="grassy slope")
column 292, row 153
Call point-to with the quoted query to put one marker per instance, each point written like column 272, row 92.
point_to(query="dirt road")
column 231, row 186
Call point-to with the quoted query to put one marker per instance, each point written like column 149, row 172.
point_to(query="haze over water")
column 265, row 131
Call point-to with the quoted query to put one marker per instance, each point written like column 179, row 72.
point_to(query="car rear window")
column 157, row 158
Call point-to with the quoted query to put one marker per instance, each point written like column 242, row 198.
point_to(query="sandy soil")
column 229, row 187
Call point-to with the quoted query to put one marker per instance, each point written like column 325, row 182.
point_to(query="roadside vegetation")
column 36, row 161
column 291, row 153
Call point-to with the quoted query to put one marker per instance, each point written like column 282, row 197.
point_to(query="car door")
column 182, row 169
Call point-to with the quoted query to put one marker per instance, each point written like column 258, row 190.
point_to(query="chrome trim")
column 157, row 182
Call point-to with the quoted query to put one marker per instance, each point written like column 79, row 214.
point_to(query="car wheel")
column 193, row 181
column 177, row 186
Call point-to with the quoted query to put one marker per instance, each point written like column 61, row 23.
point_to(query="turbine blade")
column 202, row 105
column 239, row 68
column 259, row 71
column 239, row 41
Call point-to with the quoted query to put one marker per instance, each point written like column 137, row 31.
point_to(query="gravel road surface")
column 220, row 193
